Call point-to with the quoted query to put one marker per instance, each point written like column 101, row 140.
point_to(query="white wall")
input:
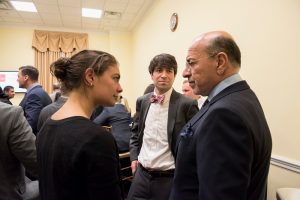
column 121, row 46
column 15, row 48
column 281, row 178
column 15, row 51
column 268, row 35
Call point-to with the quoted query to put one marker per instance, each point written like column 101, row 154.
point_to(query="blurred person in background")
column 36, row 98
column 9, row 91
column 3, row 97
column 56, row 87
column 188, row 91
column 119, row 117
column 49, row 110
column 17, row 153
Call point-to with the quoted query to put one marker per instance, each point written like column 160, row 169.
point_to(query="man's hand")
column 134, row 165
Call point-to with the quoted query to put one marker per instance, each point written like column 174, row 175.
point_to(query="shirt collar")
column 167, row 94
column 32, row 86
column 224, row 84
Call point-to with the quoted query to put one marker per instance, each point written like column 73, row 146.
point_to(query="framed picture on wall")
column 10, row 78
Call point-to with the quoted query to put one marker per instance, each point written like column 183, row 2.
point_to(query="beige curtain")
column 49, row 46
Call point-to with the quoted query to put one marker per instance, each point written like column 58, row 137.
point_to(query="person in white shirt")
column 188, row 91
column 162, row 114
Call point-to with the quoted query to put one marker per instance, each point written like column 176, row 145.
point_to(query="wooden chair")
column 108, row 128
column 125, row 166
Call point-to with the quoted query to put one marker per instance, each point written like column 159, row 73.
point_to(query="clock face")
column 173, row 22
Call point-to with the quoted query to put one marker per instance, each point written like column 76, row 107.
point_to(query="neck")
column 79, row 99
column 160, row 92
column 29, row 84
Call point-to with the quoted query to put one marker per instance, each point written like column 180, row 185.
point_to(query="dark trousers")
column 150, row 186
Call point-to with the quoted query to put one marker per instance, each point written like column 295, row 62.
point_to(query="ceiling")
column 119, row 15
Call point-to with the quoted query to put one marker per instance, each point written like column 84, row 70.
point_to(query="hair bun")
column 60, row 67
column 64, row 61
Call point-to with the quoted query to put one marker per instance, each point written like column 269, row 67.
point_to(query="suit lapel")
column 145, row 108
column 173, row 104
column 242, row 85
column 23, row 101
column 239, row 86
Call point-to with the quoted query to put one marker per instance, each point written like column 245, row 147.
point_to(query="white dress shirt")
column 201, row 101
column 155, row 152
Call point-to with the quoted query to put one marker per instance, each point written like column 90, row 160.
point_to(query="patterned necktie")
column 157, row 98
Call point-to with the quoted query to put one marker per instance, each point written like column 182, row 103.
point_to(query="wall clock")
column 173, row 21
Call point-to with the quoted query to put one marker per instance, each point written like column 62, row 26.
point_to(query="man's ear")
column 222, row 59
column 26, row 77
column 89, row 77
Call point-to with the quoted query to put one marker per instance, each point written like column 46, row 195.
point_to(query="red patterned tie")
column 157, row 98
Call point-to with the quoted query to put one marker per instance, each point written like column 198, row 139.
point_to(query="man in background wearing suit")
column 224, row 151
column 162, row 114
column 188, row 91
column 17, row 150
column 35, row 98
column 52, row 108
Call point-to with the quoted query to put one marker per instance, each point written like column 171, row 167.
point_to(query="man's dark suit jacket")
column 224, row 151
column 181, row 110
column 49, row 110
column 32, row 103
column 120, row 119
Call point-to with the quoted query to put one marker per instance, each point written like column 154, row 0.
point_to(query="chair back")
column 108, row 128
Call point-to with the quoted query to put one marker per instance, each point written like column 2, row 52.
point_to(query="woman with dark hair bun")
column 77, row 158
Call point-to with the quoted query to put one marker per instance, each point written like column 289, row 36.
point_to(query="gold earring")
column 91, row 84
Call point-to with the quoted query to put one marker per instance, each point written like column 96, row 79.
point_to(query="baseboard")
column 286, row 163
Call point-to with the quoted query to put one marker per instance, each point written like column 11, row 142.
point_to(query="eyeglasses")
column 191, row 63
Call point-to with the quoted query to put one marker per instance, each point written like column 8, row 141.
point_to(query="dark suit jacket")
column 224, row 151
column 120, row 119
column 181, row 110
column 49, row 110
column 17, row 149
column 32, row 103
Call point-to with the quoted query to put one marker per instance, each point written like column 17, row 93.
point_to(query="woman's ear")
column 89, row 77
column 222, row 59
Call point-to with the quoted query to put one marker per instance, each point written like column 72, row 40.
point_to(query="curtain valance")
column 59, row 41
